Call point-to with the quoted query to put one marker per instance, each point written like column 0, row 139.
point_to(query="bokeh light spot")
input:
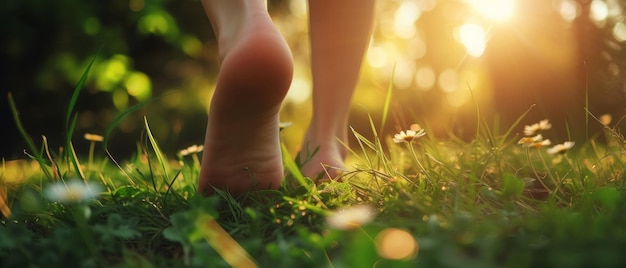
column 300, row 90
column 138, row 85
column 473, row 38
column 448, row 80
column 396, row 244
column 112, row 72
column 404, row 19
column 154, row 23
column 425, row 77
column 377, row 57
column 404, row 72
column 569, row 10
column 598, row 12
column 191, row 46
column 619, row 32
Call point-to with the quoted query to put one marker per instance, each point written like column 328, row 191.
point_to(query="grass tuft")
column 421, row 201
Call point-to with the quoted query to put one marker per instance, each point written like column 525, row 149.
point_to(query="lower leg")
column 339, row 33
column 242, row 149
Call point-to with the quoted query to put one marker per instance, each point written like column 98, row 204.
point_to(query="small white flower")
column 561, row 148
column 533, row 129
column 540, row 144
column 530, row 140
column 409, row 135
column 193, row 149
column 72, row 191
column 351, row 217
column 536, row 141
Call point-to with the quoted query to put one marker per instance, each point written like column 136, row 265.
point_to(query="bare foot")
column 322, row 158
column 242, row 148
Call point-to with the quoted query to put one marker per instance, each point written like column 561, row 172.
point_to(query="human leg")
column 339, row 33
column 241, row 148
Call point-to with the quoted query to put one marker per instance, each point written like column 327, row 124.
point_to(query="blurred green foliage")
column 46, row 46
column 166, row 48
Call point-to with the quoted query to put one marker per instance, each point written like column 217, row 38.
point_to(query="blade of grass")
column 71, row 124
column 79, row 88
column 120, row 117
column 169, row 187
column 379, row 147
column 155, row 146
column 75, row 162
column 478, row 116
column 29, row 141
column 56, row 172
column 516, row 123
column 387, row 100
column 150, row 169
column 130, row 180
column 71, row 153
column 292, row 167
column 362, row 140
column 116, row 121
column 224, row 244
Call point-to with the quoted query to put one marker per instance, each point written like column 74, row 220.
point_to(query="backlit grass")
column 406, row 200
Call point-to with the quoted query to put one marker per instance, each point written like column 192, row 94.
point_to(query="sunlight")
column 598, row 11
column 300, row 90
column 569, row 10
column 497, row 10
column 405, row 17
column 403, row 76
column 473, row 38
column 619, row 32
column 377, row 56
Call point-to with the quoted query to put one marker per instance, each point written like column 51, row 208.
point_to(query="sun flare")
column 497, row 10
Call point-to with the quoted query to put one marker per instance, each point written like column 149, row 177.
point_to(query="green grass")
column 489, row 202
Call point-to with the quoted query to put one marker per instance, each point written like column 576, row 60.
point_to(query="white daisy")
column 72, row 191
column 533, row 129
column 351, row 217
column 561, row 148
column 193, row 149
column 409, row 135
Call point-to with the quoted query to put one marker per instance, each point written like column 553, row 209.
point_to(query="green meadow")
column 511, row 199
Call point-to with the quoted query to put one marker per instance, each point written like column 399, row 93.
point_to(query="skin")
column 339, row 34
column 242, row 146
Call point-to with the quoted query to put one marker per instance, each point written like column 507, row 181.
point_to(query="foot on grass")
column 242, row 147
column 322, row 161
